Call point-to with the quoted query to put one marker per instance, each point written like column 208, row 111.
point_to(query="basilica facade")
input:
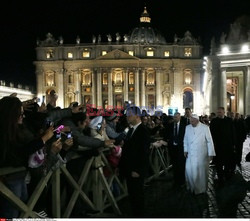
column 140, row 67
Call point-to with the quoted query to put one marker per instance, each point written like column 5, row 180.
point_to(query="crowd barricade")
column 159, row 160
column 93, row 188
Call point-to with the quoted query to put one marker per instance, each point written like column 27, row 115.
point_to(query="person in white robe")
column 199, row 151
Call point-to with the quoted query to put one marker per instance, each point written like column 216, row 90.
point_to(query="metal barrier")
column 92, row 182
column 91, row 175
column 159, row 160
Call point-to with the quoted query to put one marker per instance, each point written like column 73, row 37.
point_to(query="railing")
column 91, row 182
column 159, row 160
column 91, row 176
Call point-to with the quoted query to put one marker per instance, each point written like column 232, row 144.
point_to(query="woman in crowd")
column 17, row 144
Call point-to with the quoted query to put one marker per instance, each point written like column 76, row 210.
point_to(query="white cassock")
column 199, row 145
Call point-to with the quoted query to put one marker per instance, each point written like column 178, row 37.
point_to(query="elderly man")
column 198, row 150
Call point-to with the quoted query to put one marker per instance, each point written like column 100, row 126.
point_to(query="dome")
column 145, row 34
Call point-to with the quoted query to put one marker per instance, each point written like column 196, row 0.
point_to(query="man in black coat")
column 174, row 136
column 223, row 133
column 186, row 118
column 241, row 135
column 134, row 160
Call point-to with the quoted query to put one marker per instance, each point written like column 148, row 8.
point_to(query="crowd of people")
column 42, row 137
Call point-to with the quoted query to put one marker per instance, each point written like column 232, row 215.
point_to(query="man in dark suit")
column 134, row 160
column 174, row 136
column 223, row 133
column 241, row 135
column 186, row 118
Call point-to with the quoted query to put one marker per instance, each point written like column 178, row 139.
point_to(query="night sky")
column 23, row 23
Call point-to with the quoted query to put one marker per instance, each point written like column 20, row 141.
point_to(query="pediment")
column 116, row 54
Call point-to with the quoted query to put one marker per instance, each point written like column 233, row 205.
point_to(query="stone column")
column 60, row 88
column 143, row 103
column 137, row 91
column 93, row 88
column 77, row 84
column 241, row 92
column 158, row 90
column 99, row 88
column 125, row 93
column 215, row 84
column 247, row 91
column 40, row 83
column 110, row 89
column 223, row 88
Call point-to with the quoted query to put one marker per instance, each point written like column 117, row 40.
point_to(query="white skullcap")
column 195, row 116
column 95, row 121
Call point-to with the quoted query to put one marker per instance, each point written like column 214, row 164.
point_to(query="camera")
column 58, row 135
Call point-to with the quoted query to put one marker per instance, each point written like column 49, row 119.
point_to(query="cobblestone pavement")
column 230, row 201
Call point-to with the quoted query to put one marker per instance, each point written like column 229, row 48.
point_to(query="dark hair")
column 221, row 108
column 78, row 117
column 10, row 109
column 133, row 111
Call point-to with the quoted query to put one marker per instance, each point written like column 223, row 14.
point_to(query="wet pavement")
column 230, row 201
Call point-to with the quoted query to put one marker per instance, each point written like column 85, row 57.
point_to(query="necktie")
column 129, row 133
column 188, row 122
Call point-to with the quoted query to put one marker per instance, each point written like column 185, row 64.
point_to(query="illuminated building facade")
column 227, row 71
column 140, row 67
column 23, row 92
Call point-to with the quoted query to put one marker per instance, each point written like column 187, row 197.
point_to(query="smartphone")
column 58, row 135
column 69, row 135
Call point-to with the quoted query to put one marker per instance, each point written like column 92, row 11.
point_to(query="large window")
column 131, row 78
column 105, row 78
column 131, row 53
column 70, row 55
column 187, row 76
column 188, row 98
column 49, row 54
column 150, row 77
column 50, row 78
column 150, row 53
column 86, row 77
column 86, row 54
column 187, row 52
column 166, row 53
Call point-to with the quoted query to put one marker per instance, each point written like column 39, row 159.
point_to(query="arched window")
column 50, row 78
column 188, row 98
column 105, row 78
column 150, row 78
column 131, row 78
column 118, row 77
column 86, row 78
column 187, row 76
